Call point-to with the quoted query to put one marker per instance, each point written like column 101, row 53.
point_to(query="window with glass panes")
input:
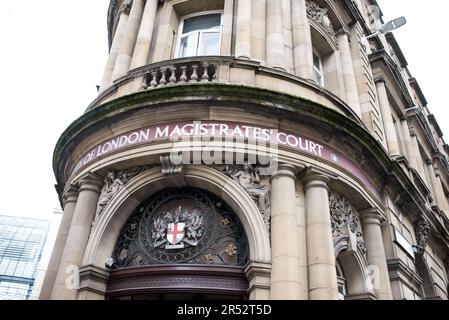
column 318, row 69
column 199, row 35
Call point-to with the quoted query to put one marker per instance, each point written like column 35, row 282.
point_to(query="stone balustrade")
column 224, row 70
column 183, row 72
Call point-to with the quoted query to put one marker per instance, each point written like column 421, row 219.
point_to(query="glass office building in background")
column 21, row 245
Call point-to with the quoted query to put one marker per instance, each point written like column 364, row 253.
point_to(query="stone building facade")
column 252, row 149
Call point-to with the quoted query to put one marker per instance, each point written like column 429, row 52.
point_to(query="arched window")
column 341, row 280
column 199, row 35
column 182, row 242
column 182, row 226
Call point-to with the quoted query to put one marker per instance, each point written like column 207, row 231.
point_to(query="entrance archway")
column 121, row 207
column 182, row 242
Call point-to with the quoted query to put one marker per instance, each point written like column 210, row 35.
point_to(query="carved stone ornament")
column 171, row 165
column 126, row 6
column 177, row 229
column 248, row 177
column 113, row 183
column 411, row 127
column 320, row 15
column 182, row 225
column 422, row 229
column 435, row 167
column 345, row 220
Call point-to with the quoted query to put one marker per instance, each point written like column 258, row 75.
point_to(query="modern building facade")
column 252, row 149
column 55, row 220
column 21, row 244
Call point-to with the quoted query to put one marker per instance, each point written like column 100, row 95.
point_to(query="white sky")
column 53, row 53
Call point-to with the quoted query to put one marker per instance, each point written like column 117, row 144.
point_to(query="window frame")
column 320, row 71
column 199, row 34
column 341, row 282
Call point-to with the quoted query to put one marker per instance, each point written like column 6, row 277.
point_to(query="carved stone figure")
column 249, row 179
column 113, row 183
column 422, row 229
column 344, row 220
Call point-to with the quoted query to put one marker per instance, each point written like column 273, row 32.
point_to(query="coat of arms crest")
column 175, row 230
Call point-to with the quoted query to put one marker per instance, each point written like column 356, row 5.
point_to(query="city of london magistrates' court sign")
column 209, row 131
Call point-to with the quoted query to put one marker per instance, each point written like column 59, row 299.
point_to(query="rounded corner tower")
column 252, row 149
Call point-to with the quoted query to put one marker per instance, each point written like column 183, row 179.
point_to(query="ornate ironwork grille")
column 180, row 226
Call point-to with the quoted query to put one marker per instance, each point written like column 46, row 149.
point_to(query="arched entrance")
column 181, row 243
column 150, row 183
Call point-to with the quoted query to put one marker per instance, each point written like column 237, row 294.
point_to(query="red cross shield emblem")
column 176, row 232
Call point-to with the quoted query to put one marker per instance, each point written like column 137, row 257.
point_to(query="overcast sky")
column 52, row 56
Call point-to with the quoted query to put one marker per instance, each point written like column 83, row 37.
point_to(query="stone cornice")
column 356, row 15
column 398, row 268
column 397, row 50
column 435, row 124
column 414, row 83
column 417, row 114
column 388, row 66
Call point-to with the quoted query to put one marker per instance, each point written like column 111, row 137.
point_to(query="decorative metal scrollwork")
column 182, row 226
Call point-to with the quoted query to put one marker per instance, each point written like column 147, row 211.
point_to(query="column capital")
column 70, row 194
column 92, row 182
column 411, row 126
column 380, row 80
column 372, row 216
column 435, row 167
column 285, row 170
column 312, row 177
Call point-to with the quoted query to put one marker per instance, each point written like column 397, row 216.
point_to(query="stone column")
column 416, row 154
column 115, row 49
column 164, row 37
column 70, row 199
column 372, row 232
column 129, row 40
column 385, row 109
column 431, row 180
column 243, row 32
column 352, row 95
column 142, row 49
column 302, row 240
column 408, row 143
column 437, row 186
column 285, row 272
column 302, row 41
column 320, row 244
column 89, row 192
column 275, row 37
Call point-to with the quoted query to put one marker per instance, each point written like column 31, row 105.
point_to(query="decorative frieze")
column 320, row 15
column 345, row 221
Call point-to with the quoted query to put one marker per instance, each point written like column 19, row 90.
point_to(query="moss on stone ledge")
column 275, row 102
